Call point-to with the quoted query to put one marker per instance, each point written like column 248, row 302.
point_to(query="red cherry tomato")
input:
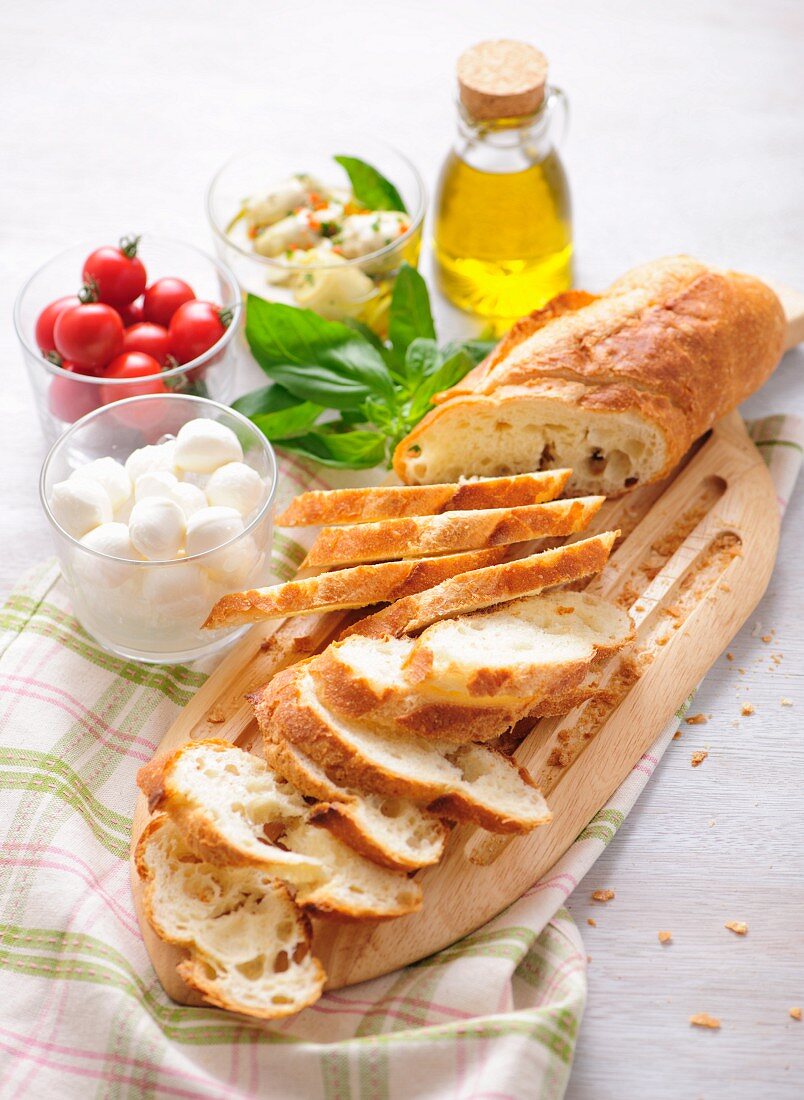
column 134, row 365
column 131, row 314
column 43, row 333
column 69, row 400
column 152, row 339
column 117, row 273
column 163, row 298
column 90, row 334
column 196, row 327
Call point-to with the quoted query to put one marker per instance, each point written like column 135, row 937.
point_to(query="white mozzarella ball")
column 113, row 540
column 178, row 593
column 111, row 475
column 146, row 460
column 211, row 527
column 236, row 565
column 235, row 485
column 189, row 498
column 157, row 528
column 79, row 504
column 203, row 445
column 199, row 480
column 157, row 483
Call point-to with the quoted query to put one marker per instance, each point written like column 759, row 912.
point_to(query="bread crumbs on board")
column 698, row 758
column 665, row 937
column 739, row 927
column 703, row 1019
column 602, row 895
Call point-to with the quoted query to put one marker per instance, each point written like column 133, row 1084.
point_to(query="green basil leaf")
column 477, row 350
column 450, row 372
column 288, row 423
column 355, row 450
column 410, row 316
column 267, row 399
column 369, row 186
column 316, row 360
column 421, row 360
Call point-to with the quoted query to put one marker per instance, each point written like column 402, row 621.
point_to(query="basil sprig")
column 369, row 186
column 341, row 396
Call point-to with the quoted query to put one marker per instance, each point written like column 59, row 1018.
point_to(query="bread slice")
column 463, row 782
column 232, row 810
column 346, row 588
column 393, row 832
column 367, row 679
column 334, row 506
column 249, row 946
column 448, row 532
column 492, row 585
column 524, row 650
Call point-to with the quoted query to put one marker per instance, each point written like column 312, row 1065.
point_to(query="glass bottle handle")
column 558, row 107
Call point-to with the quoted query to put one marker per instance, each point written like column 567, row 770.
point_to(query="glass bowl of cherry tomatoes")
column 100, row 324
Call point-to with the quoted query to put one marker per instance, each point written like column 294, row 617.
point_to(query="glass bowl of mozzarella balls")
column 159, row 506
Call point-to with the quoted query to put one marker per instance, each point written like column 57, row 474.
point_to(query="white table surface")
column 686, row 136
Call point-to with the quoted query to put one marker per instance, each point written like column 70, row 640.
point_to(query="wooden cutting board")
column 696, row 555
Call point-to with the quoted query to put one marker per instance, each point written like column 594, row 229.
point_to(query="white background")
column 686, row 134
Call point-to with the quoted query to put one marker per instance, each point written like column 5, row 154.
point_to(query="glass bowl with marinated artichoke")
column 330, row 236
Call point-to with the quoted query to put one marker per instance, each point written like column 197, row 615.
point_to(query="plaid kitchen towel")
column 82, row 1013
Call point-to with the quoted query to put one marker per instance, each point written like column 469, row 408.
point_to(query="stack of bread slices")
column 373, row 749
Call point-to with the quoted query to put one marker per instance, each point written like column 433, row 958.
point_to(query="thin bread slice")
column 393, row 832
column 525, row 649
column 500, row 796
column 334, row 506
column 344, row 589
column 224, row 802
column 492, row 585
column 249, row 946
column 367, row 679
column 448, row 532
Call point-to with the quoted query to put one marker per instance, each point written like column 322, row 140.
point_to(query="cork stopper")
column 501, row 79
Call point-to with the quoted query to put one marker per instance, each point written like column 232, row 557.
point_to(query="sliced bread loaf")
column 224, row 802
column 249, row 946
column 343, row 589
column 394, row 832
column 448, row 532
column 486, row 587
column 502, row 799
column 396, row 501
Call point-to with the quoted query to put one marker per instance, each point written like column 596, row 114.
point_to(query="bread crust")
column 338, row 819
column 449, row 532
column 492, row 585
column 335, row 506
column 675, row 343
column 343, row 589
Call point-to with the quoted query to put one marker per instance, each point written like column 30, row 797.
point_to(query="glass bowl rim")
column 261, row 439
column 237, row 307
column 416, row 219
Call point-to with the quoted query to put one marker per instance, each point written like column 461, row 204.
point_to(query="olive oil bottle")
column 503, row 229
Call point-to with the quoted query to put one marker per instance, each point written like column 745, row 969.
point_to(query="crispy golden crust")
column 493, row 585
column 334, row 506
column 449, row 532
column 338, row 819
column 674, row 342
column 361, row 586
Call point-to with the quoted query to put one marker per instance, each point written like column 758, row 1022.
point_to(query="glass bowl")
column 356, row 288
column 62, row 397
column 153, row 610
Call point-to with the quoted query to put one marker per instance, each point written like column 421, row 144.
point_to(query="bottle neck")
column 506, row 144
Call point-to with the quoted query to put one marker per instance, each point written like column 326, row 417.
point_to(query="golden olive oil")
column 503, row 240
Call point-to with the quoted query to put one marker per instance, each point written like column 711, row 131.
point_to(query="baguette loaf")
column 448, row 532
column 463, row 782
column 485, row 587
column 334, row 506
column 618, row 387
column 249, row 946
column 346, row 588
column 231, row 810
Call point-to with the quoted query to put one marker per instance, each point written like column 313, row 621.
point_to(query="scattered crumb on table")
column 591, row 922
column 786, row 702
column 698, row 758
column 696, row 720
column 602, row 895
column 737, row 926
column 703, row 1019
column 665, row 937
column 795, row 1012
column 747, row 708
column 729, row 656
